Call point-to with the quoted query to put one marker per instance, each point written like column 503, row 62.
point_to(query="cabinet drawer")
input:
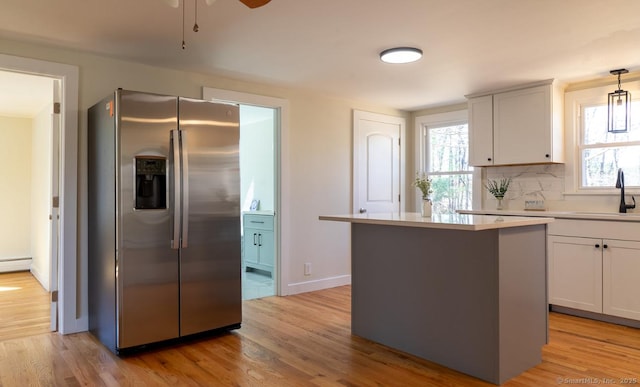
column 595, row 229
column 260, row 222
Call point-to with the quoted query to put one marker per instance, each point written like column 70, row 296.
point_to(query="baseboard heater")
column 14, row 264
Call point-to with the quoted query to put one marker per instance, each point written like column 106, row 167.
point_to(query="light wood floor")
column 24, row 306
column 305, row 340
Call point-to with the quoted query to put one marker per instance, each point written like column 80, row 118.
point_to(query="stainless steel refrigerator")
column 164, row 218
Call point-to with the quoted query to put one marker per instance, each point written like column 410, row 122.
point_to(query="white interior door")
column 55, row 205
column 378, row 182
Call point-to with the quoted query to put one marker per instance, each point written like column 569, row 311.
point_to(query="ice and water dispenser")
column 151, row 183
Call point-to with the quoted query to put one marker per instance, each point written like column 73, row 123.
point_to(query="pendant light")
column 619, row 107
column 401, row 55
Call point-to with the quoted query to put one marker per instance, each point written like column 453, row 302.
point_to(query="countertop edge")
column 615, row 217
column 383, row 219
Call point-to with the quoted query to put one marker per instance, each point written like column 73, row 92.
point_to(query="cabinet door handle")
column 489, row 159
column 259, row 239
column 597, row 246
column 257, row 221
column 605, row 246
column 547, row 155
column 254, row 239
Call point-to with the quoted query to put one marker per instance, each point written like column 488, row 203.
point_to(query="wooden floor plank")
column 24, row 306
column 303, row 340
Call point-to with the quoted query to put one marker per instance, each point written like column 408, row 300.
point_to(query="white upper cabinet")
column 517, row 126
column 481, row 130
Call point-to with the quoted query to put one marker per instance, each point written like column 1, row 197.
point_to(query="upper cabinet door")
column 481, row 130
column 522, row 126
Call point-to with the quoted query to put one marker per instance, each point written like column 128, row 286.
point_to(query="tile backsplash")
column 543, row 182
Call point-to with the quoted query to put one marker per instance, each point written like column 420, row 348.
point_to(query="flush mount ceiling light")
column 619, row 106
column 401, row 55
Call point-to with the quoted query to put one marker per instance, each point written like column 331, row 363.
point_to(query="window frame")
column 575, row 101
column 422, row 123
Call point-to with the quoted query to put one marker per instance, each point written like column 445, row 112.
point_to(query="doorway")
column 29, row 227
column 257, row 200
column 64, row 278
column 263, row 123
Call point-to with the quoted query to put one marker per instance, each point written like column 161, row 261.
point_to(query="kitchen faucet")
column 620, row 184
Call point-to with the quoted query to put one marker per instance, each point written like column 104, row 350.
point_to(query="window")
column 601, row 153
column 443, row 154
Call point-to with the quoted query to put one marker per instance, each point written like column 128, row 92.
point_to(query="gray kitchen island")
column 464, row 291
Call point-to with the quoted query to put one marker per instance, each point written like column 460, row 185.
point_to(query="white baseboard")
column 17, row 264
column 44, row 281
column 320, row 284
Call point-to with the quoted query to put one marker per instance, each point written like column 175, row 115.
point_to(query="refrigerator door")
column 210, row 271
column 147, row 267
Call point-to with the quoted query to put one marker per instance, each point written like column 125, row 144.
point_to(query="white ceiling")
column 332, row 46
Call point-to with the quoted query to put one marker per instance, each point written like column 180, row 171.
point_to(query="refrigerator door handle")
column 185, row 188
column 177, row 177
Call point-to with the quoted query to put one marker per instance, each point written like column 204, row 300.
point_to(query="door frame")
column 282, row 225
column 54, row 217
column 359, row 115
column 70, row 319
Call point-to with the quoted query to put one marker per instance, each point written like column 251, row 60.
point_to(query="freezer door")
column 147, row 267
column 210, row 272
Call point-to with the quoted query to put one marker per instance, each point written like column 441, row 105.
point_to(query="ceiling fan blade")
column 254, row 3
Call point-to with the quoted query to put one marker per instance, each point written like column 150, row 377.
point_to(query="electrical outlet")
column 307, row 268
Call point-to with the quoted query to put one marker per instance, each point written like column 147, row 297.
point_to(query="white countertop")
column 627, row 217
column 465, row 222
column 259, row 212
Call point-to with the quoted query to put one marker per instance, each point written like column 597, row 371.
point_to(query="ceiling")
column 332, row 46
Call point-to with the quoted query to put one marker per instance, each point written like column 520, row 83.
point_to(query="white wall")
column 257, row 156
column 15, row 191
column 41, row 194
column 319, row 153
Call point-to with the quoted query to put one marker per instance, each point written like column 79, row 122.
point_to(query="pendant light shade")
column 619, row 107
column 401, row 55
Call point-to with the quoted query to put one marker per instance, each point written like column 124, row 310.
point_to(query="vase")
column 426, row 208
column 499, row 204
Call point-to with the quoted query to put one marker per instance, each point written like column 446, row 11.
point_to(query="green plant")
column 423, row 183
column 498, row 188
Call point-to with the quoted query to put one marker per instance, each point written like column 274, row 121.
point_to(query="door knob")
column 363, row 210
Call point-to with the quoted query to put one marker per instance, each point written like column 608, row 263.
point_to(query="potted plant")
column 498, row 188
column 423, row 183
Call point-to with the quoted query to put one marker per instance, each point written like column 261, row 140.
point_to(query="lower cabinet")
column 258, row 245
column 575, row 272
column 620, row 279
column 594, row 274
